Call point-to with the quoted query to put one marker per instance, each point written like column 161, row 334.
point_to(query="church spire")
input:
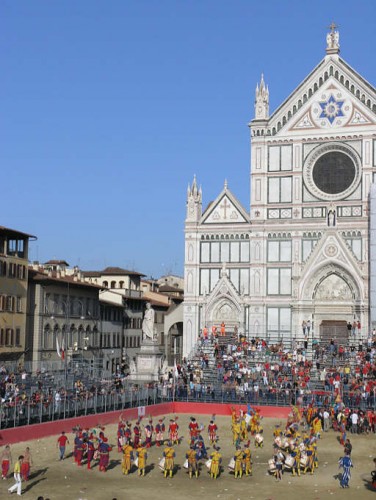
column 194, row 201
column 332, row 40
column 262, row 100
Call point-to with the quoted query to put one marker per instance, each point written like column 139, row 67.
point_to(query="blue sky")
column 108, row 109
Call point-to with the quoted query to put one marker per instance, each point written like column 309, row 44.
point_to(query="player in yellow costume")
column 142, row 456
column 216, row 460
column 236, row 433
column 169, row 454
column 247, row 460
column 191, row 456
column 238, row 457
column 127, row 458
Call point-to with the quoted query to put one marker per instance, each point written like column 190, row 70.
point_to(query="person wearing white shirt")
column 354, row 422
column 326, row 420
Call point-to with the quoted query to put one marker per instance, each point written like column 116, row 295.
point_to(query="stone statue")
column 148, row 323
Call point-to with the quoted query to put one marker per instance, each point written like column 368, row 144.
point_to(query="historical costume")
column 159, row 431
column 142, row 455
column 26, row 464
column 6, row 460
column 247, row 460
column 345, row 463
column 173, row 431
column 193, row 428
column 212, row 431
column 104, row 454
column 136, row 434
column 169, row 455
column 192, row 457
column 126, row 463
column 149, row 433
column 238, row 457
column 216, row 460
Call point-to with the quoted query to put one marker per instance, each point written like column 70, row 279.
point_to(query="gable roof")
column 225, row 209
column 331, row 66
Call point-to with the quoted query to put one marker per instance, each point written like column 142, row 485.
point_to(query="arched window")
column 105, row 283
column 113, row 284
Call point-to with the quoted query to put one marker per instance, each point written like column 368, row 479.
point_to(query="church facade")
column 300, row 253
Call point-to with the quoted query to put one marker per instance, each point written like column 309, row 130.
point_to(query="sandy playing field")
column 64, row 480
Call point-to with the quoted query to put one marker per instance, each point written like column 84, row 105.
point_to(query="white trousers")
column 17, row 486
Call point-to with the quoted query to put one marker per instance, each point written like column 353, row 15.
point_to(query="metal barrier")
column 73, row 405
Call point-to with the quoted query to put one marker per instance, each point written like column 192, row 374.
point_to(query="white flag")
column 58, row 347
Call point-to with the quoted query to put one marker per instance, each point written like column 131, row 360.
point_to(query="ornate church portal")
column 300, row 252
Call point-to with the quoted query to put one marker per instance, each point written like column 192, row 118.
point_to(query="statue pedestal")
column 148, row 362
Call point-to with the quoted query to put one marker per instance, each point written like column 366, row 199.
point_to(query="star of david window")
column 331, row 109
column 333, row 172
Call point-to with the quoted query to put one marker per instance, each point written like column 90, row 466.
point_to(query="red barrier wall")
column 38, row 431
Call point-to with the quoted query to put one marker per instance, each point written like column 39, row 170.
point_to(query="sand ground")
column 64, row 480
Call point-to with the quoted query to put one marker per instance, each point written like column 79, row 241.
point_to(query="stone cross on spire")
column 332, row 40
column 262, row 100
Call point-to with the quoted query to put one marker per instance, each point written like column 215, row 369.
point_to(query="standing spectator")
column 308, row 326
column 354, row 422
column 358, row 326
column 326, row 417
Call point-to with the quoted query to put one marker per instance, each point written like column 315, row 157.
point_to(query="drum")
column 259, row 439
column 231, row 464
column 185, row 465
column 303, row 460
column 302, row 447
column 271, row 465
column 208, row 463
column 278, row 441
column 247, row 418
column 161, row 463
column 289, row 462
column 136, row 462
column 96, row 455
column 284, row 443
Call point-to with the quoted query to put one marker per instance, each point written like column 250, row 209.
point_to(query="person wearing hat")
column 192, row 458
column 142, row 455
column 216, row 460
column 136, row 434
column 159, row 430
column 149, row 433
column 238, row 457
column 247, row 459
column 173, row 431
column 193, row 428
column 212, row 431
column 311, row 457
column 169, row 455
column 104, row 454
column 126, row 463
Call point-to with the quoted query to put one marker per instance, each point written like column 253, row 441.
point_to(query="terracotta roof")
column 112, row 271
column 39, row 275
column 15, row 233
